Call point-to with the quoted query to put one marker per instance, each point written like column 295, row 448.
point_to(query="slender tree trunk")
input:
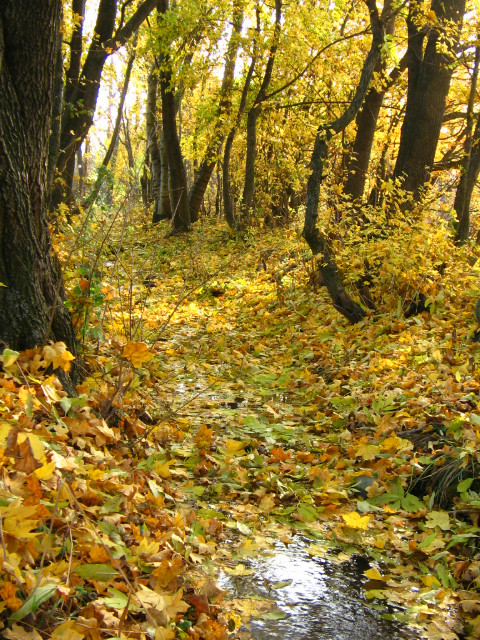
column 465, row 190
column 428, row 85
column 252, row 118
column 207, row 166
column 146, row 181
column 316, row 240
column 463, row 194
column 31, row 299
column 227, row 189
column 152, row 139
column 165, row 203
column 116, row 129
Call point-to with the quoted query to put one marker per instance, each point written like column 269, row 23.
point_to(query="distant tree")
column 83, row 82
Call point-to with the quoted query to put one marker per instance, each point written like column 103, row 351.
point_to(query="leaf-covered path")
column 229, row 407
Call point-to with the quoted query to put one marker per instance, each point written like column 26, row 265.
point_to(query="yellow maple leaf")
column 356, row 521
column 163, row 468
column 373, row 574
column 239, row 570
column 137, row 353
column 58, row 356
column 234, row 448
column 162, row 633
column 175, row 604
column 68, row 631
column 45, row 472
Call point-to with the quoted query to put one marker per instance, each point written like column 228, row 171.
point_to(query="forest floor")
column 228, row 407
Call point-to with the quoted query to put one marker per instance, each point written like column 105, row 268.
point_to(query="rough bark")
column 316, row 240
column 205, row 171
column 465, row 186
column 153, row 146
column 157, row 152
column 31, row 299
column 429, row 76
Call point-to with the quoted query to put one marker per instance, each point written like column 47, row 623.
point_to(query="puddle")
column 321, row 600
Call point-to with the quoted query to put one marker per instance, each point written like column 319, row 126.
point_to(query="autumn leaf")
column 9, row 357
column 58, row 356
column 356, row 521
column 234, row 448
column 439, row 519
column 137, row 353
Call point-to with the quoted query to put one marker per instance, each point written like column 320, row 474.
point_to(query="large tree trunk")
column 153, row 146
column 429, row 76
column 31, row 295
column 316, row 240
column 178, row 175
column 367, row 118
column 165, row 201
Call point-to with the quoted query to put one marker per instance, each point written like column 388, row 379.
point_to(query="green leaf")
column 112, row 505
column 307, row 513
column 119, row 601
column 273, row 615
column 100, row 572
column 428, row 541
column 35, row 600
column 9, row 357
column 464, row 485
column 411, row 503
column 438, row 519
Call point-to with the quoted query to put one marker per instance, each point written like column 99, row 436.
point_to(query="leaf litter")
column 225, row 410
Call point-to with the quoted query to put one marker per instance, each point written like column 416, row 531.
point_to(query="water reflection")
column 322, row 601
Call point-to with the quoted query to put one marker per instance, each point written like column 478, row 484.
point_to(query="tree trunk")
column 116, row 129
column 32, row 296
column 463, row 194
column 251, row 151
column 205, row 171
column 152, row 139
column 178, row 176
column 428, row 85
column 165, row 203
column 227, row 190
column 367, row 118
column 79, row 109
column 316, row 240
column 465, row 190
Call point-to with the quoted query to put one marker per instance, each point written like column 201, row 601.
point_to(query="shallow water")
column 323, row 601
